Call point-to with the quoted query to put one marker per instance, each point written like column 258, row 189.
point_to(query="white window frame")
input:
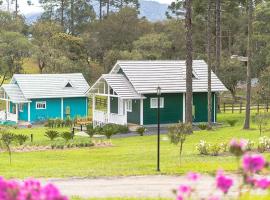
column 39, row 103
column 154, row 102
column 129, row 105
column 21, row 105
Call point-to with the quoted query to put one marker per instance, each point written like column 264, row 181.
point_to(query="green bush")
column 141, row 130
column 232, row 122
column 7, row 138
column 203, row 126
column 50, row 123
column 67, row 136
column 90, row 130
column 109, row 129
column 122, row 129
column 51, row 134
column 203, row 147
column 214, row 149
column 21, row 138
column 68, row 122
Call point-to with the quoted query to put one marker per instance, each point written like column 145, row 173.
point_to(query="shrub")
column 203, row 147
column 214, row 149
column 68, row 122
column 232, row 122
column 67, row 136
column 52, row 134
column 90, row 130
column 50, row 123
column 264, row 144
column 122, row 129
column 203, row 126
column 21, row 138
column 250, row 145
column 58, row 122
column 224, row 146
column 261, row 120
column 141, row 130
column 108, row 130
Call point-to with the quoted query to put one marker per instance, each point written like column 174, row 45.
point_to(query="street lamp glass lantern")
column 158, row 91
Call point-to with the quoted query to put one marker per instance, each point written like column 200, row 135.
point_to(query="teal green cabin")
column 39, row 97
column 131, row 92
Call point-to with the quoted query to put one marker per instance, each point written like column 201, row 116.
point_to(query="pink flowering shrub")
column 237, row 147
column 251, row 167
column 28, row 190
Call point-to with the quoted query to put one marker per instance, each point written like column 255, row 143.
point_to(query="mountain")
column 152, row 10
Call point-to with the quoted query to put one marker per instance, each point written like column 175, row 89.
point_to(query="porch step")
column 133, row 127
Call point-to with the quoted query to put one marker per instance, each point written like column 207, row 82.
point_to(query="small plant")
column 232, row 122
column 203, row 147
column 141, row 130
column 108, row 130
column 68, row 122
column 203, row 126
column 178, row 134
column 261, row 120
column 264, row 144
column 50, row 123
column 122, row 129
column 52, row 134
column 250, row 145
column 21, row 138
column 214, row 149
column 90, row 130
column 223, row 146
column 7, row 138
column 67, row 136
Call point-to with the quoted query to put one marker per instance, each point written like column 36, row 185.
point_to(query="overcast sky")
column 25, row 9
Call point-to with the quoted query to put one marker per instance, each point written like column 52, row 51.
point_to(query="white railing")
column 2, row 115
column 117, row 119
column 8, row 116
column 100, row 118
column 12, row 117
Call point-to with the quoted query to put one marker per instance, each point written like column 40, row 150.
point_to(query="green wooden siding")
column 171, row 113
column 114, row 105
column 134, row 116
column 200, row 104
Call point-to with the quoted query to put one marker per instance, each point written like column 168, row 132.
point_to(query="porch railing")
column 101, row 118
column 8, row 116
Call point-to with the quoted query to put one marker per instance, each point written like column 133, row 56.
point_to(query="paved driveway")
column 132, row 186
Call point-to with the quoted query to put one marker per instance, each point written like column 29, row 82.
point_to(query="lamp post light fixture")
column 158, row 128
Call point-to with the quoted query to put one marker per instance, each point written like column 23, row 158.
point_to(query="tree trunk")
column 108, row 7
column 189, row 50
column 249, row 52
column 16, row 8
column 218, row 43
column 3, row 79
column 72, row 17
column 209, row 64
column 100, row 10
column 62, row 13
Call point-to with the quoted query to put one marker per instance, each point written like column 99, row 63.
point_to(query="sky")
column 26, row 9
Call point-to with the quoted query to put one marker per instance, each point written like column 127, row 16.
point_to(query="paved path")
column 132, row 186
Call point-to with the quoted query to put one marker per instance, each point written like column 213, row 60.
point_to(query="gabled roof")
column 121, row 86
column 14, row 93
column 34, row 86
column 146, row 76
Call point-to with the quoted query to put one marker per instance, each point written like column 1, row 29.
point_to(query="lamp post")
column 158, row 128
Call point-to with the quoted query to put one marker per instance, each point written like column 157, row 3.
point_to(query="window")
column 129, row 105
column 68, row 85
column 21, row 107
column 41, row 105
column 154, row 102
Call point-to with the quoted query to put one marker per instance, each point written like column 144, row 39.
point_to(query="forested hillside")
column 71, row 36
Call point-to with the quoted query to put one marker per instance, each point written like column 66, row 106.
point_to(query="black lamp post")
column 158, row 128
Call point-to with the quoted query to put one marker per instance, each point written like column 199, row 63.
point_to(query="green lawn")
column 128, row 156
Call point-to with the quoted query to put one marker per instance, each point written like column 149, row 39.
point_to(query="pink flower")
column 253, row 163
column 184, row 189
column 180, row 197
column 192, row 176
column 214, row 198
column 223, row 182
column 262, row 183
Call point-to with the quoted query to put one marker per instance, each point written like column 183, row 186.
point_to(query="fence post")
column 241, row 107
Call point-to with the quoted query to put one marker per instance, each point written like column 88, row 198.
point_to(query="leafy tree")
column 14, row 48
column 231, row 72
column 7, row 138
column 21, row 138
column 178, row 134
column 153, row 46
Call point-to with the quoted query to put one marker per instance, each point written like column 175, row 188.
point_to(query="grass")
column 128, row 156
